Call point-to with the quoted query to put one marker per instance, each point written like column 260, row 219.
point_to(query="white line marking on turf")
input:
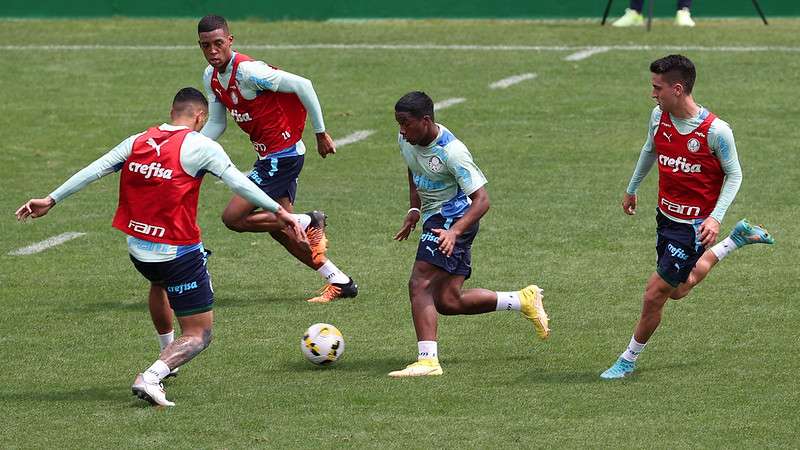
column 534, row 48
column 506, row 82
column 583, row 54
column 446, row 103
column 47, row 243
column 353, row 137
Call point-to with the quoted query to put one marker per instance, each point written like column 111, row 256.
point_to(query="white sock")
column 427, row 350
column 723, row 248
column 508, row 301
column 156, row 372
column 303, row 219
column 632, row 352
column 332, row 274
column 165, row 339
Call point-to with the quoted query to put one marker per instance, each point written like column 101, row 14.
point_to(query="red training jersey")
column 273, row 120
column 690, row 176
column 157, row 198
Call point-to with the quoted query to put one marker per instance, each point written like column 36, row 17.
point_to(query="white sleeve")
column 304, row 90
column 200, row 154
column 259, row 76
column 106, row 164
column 217, row 117
column 720, row 140
column 247, row 189
column 647, row 156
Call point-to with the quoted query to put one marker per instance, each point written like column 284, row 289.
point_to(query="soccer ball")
column 322, row 344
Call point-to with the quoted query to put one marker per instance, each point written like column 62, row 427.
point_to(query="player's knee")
column 417, row 285
column 448, row 305
column 678, row 294
column 232, row 222
column 448, row 308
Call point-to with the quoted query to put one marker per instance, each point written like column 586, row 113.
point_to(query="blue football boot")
column 743, row 234
column 621, row 369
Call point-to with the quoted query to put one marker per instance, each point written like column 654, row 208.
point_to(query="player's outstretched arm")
column 35, row 207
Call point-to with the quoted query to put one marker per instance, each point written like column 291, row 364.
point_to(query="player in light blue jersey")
column 448, row 191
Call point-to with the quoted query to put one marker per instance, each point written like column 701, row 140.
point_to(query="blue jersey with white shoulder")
column 444, row 173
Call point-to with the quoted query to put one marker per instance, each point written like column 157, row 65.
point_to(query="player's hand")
column 325, row 145
column 409, row 224
column 35, row 207
column 447, row 240
column 709, row 230
column 629, row 204
column 290, row 224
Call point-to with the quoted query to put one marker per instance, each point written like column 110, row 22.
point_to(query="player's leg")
column 678, row 250
column 188, row 288
column 656, row 294
column 160, row 314
column 424, row 276
column 632, row 17
column 240, row 216
column 162, row 317
column 743, row 233
column 277, row 177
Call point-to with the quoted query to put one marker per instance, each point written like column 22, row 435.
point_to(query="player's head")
column 215, row 40
column 673, row 78
column 190, row 108
column 414, row 113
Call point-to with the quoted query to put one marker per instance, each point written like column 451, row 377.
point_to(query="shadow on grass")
column 91, row 394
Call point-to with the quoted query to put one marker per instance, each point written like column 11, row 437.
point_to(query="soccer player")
column 448, row 191
column 698, row 178
column 270, row 106
column 161, row 173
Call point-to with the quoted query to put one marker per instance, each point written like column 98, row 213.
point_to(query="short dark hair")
column 416, row 103
column 212, row 22
column 188, row 98
column 676, row 68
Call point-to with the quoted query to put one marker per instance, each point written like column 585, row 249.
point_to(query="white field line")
column 583, row 54
column 446, row 103
column 533, row 48
column 47, row 243
column 510, row 81
column 353, row 137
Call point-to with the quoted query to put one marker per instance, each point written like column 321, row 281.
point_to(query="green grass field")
column 558, row 152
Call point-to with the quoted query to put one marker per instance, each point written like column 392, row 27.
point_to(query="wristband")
column 414, row 209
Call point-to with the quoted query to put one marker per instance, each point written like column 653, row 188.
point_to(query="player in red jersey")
column 698, row 178
column 161, row 173
column 270, row 105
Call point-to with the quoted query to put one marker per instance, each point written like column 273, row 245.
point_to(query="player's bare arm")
column 35, row 207
column 709, row 230
column 325, row 145
column 479, row 206
column 413, row 215
column 629, row 203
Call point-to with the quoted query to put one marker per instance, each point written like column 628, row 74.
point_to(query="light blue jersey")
column 444, row 173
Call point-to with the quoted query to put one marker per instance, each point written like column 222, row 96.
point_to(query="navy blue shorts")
column 678, row 249
column 186, row 280
column 277, row 177
column 460, row 262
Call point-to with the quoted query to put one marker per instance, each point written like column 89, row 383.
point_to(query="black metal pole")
column 605, row 13
column 650, row 14
column 760, row 13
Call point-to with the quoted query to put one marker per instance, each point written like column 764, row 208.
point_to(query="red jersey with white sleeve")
column 273, row 120
column 157, row 198
column 690, row 176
